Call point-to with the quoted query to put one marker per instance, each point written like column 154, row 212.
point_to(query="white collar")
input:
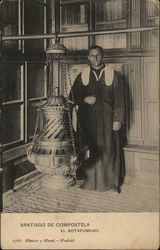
column 109, row 75
column 95, row 74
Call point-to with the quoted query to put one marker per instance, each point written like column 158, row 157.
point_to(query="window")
column 13, row 102
column 19, row 106
column 152, row 12
column 36, row 87
column 74, row 18
column 110, row 14
column 74, row 14
column 13, row 123
column 21, row 17
column 152, row 19
column 10, row 23
column 22, row 81
column 34, row 23
column 11, row 74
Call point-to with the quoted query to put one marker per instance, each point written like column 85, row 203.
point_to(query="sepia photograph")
column 79, row 113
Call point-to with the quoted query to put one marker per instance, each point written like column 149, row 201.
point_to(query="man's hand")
column 90, row 100
column 116, row 126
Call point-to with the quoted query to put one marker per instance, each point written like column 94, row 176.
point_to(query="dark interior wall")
column 8, row 176
column 1, row 179
column 1, row 190
column 12, row 171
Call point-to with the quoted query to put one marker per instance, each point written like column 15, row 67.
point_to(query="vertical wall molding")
column 135, row 22
column 134, row 97
column 151, row 100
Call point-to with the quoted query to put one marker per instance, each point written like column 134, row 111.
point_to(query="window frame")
column 23, row 62
column 35, row 99
column 20, row 103
column 23, row 103
column 22, row 21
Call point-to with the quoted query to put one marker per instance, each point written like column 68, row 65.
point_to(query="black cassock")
column 104, row 169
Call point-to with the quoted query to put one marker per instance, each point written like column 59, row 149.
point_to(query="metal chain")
column 68, row 107
column 50, row 61
column 70, row 83
column 72, row 95
column 41, row 101
column 53, row 78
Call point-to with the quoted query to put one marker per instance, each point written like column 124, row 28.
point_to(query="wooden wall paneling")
column 150, row 17
column 142, row 166
column 135, row 22
column 134, row 101
column 147, row 168
column 151, row 101
column 129, row 163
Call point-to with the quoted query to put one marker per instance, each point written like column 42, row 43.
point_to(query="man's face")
column 95, row 57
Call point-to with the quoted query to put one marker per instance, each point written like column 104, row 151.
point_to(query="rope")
column 41, row 102
column 72, row 96
column 68, row 107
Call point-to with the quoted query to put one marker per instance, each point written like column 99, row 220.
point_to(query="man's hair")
column 96, row 47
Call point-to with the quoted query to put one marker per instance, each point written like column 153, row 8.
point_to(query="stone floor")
column 136, row 196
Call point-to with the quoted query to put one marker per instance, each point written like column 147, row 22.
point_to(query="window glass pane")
column 76, row 43
column 110, row 14
column 73, row 14
column 35, row 80
column 33, row 24
column 74, row 18
column 32, row 115
column 152, row 9
column 115, row 41
column 151, row 38
column 12, row 123
column 11, row 82
column 111, row 10
column 10, row 23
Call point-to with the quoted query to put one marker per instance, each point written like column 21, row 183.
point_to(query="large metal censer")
column 53, row 152
column 53, row 149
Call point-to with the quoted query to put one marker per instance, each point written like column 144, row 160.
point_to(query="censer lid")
column 56, row 100
column 56, row 48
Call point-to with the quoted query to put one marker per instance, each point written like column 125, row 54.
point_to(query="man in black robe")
column 99, row 92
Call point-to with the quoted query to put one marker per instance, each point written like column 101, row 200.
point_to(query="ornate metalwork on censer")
column 53, row 150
